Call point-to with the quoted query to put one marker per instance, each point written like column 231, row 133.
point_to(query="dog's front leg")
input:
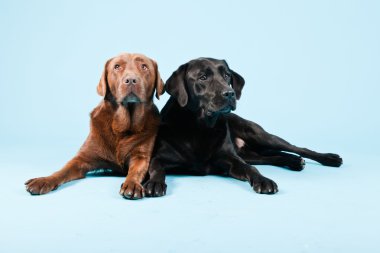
column 76, row 168
column 155, row 186
column 137, row 169
column 237, row 168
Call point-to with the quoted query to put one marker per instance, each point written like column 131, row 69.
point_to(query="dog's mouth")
column 131, row 98
column 224, row 110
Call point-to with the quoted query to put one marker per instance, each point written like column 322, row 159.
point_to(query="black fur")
column 199, row 136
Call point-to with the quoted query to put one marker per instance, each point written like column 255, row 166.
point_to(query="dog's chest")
column 204, row 144
column 206, row 140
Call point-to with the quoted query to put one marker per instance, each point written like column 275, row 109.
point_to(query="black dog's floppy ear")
column 237, row 83
column 175, row 85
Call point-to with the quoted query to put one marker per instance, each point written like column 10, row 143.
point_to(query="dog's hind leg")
column 276, row 158
column 257, row 139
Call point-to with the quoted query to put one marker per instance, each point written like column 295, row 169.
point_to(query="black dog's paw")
column 264, row 185
column 296, row 164
column 332, row 160
column 155, row 188
column 132, row 190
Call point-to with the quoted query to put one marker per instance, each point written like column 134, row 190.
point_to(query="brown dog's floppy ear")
column 159, row 84
column 103, row 83
column 175, row 85
column 237, row 83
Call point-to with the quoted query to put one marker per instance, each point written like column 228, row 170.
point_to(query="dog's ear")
column 103, row 83
column 159, row 84
column 175, row 85
column 237, row 83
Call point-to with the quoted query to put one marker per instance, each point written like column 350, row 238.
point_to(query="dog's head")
column 206, row 85
column 130, row 78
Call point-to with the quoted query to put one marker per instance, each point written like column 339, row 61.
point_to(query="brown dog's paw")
column 264, row 185
column 132, row 190
column 155, row 188
column 41, row 185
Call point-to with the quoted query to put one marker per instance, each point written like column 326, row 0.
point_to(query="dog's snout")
column 229, row 94
column 131, row 80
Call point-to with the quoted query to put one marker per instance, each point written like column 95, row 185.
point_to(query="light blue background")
column 312, row 71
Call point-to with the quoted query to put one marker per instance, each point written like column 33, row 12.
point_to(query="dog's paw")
column 264, row 185
column 132, row 190
column 332, row 160
column 155, row 188
column 296, row 164
column 41, row 185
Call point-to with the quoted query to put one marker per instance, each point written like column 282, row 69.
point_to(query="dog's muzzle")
column 131, row 98
column 224, row 110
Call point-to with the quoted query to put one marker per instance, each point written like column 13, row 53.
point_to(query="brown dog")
column 123, row 127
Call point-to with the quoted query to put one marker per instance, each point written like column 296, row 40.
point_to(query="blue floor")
column 312, row 77
column 320, row 209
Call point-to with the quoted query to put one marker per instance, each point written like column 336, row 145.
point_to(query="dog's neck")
column 189, row 114
column 129, row 117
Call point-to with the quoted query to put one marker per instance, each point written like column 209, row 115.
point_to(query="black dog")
column 199, row 136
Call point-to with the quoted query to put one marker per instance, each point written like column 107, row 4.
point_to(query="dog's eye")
column 227, row 75
column 203, row 78
column 144, row 67
column 117, row 66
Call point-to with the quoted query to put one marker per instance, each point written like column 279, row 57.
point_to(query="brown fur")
column 122, row 133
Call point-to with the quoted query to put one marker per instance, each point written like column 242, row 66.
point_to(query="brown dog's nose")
column 131, row 80
column 229, row 94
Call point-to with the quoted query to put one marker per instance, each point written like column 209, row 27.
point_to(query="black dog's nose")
column 228, row 94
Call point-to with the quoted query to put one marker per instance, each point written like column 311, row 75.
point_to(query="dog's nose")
column 131, row 80
column 228, row 94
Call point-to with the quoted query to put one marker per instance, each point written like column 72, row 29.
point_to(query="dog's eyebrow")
column 206, row 70
column 222, row 69
column 139, row 59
